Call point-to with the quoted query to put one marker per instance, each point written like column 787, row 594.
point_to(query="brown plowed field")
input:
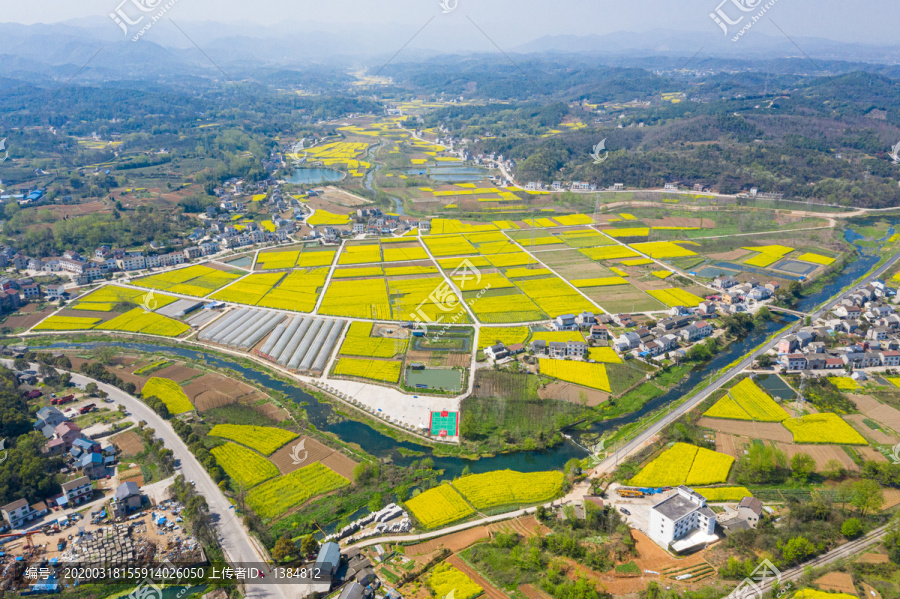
column 129, row 442
column 340, row 464
column 27, row 316
column 837, row 582
column 457, row 541
column 870, row 454
column 771, row 431
column 877, row 411
column 821, row 454
column 572, row 393
column 315, row 452
column 731, row 444
column 270, row 410
column 176, row 372
column 214, row 390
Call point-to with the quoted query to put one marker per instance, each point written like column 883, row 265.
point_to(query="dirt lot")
column 129, row 442
column 391, row 331
column 821, row 454
column 573, row 393
column 771, row 431
column 732, row 256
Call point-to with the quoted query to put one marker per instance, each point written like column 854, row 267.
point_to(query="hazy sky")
column 871, row 22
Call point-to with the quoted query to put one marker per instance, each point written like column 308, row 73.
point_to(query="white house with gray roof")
column 682, row 520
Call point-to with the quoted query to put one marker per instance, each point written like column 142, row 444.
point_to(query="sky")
column 509, row 21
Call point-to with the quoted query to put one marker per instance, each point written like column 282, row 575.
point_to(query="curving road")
column 236, row 542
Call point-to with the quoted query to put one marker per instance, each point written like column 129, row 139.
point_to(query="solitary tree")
column 802, row 466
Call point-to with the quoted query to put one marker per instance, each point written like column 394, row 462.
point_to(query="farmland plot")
column 506, row 487
column 245, row 466
column 277, row 496
column 265, row 440
column 439, row 506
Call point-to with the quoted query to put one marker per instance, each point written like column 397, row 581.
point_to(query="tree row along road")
column 236, row 542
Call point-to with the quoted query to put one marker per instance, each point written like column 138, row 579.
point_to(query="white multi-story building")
column 682, row 520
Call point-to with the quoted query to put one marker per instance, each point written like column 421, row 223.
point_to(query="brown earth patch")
column 27, row 317
column 856, row 421
column 877, row 411
column 490, row 590
column 314, row 451
column 821, row 454
column 457, row 541
column 214, row 390
column 731, row 444
column 176, row 372
column 533, row 593
column 869, row 592
column 273, row 412
column 341, row 197
column 680, row 221
column 129, row 442
column 572, row 393
column 871, row 454
column 891, row 498
column 873, row 558
column 340, row 464
column 95, row 207
column 837, row 582
column 771, row 431
column 733, row 255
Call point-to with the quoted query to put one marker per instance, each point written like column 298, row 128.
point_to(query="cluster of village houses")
column 85, row 460
column 862, row 331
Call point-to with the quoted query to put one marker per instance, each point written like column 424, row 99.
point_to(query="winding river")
column 372, row 441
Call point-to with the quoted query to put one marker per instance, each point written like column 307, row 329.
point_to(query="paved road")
column 444, row 531
column 234, row 538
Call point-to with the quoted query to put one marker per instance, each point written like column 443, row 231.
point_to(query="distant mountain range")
column 96, row 49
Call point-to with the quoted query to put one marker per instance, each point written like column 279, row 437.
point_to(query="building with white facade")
column 682, row 521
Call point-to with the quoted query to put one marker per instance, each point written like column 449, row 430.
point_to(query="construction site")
column 150, row 537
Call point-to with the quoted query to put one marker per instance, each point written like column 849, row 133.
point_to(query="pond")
column 451, row 174
column 314, row 176
column 242, row 262
column 448, row 379
column 775, row 386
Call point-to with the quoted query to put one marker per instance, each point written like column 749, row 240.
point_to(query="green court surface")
column 443, row 421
